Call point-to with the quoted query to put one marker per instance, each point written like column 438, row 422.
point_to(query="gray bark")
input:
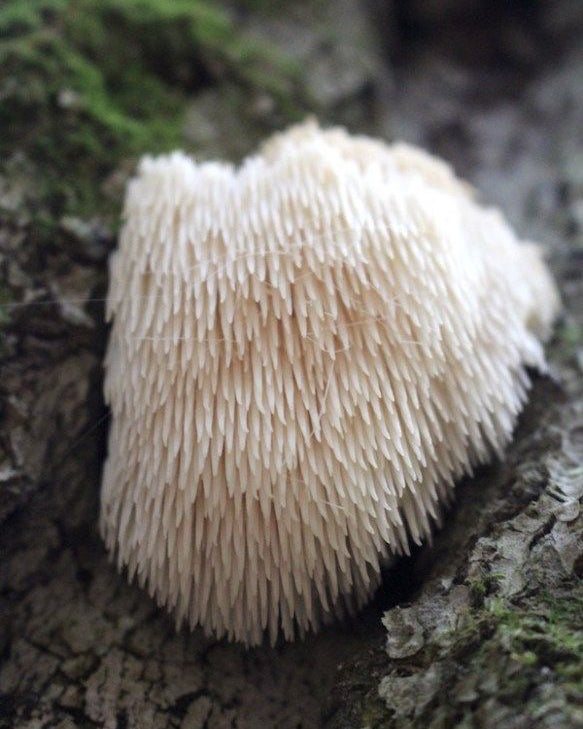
column 479, row 629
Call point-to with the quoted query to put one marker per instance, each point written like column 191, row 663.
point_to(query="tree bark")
column 483, row 627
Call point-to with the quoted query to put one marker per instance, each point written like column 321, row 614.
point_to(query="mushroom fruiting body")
column 307, row 351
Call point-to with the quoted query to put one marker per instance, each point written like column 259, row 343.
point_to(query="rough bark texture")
column 481, row 629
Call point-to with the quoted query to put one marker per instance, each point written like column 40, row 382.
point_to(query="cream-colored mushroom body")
column 307, row 351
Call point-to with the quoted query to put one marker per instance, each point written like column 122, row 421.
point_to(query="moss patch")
column 503, row 656
column 87, row 83
column 546, row 635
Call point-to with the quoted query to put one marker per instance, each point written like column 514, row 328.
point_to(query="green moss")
column 502, row 655
column 551, row 632
column 528, row 640
column 86, row 83
column 482, row 587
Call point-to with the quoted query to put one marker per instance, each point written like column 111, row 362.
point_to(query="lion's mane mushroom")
column 306, row 352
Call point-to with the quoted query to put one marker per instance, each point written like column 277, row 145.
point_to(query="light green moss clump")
column 548, row 635
column 502, row 660
column 86, row 83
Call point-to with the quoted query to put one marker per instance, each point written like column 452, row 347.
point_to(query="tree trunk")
column 480, row 629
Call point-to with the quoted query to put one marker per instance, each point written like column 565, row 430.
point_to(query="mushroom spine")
column 307, row 351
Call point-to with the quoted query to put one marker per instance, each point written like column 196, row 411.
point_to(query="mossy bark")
column 480, row 629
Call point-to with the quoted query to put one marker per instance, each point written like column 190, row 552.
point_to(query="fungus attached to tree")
column 307, row 352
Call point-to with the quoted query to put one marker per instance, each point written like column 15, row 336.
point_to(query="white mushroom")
column 307, row 352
